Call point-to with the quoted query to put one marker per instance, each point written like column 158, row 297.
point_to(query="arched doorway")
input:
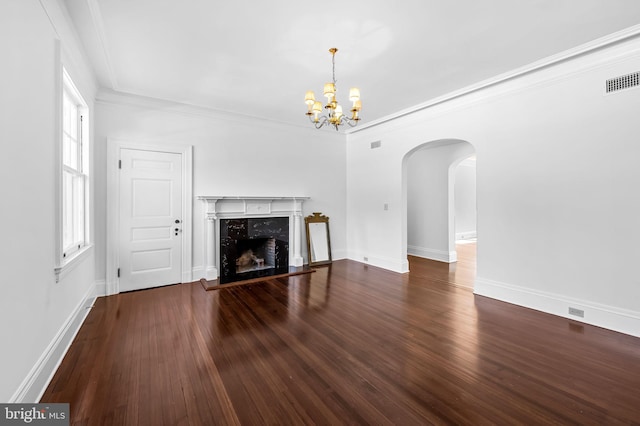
column 429, row 175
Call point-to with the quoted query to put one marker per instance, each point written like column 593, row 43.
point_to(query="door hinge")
column 118, row 272
column 119, row 164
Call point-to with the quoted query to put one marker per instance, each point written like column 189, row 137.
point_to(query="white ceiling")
column 258, row 58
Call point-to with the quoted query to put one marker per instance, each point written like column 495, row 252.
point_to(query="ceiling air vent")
column 623, row 82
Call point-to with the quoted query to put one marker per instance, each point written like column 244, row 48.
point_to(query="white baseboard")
column 609, row 317
column 197, row 272
column 100, row 288
column 338, row 254
column 36, row 382
column 396, row 265
column 427, row 253
column 467, row 235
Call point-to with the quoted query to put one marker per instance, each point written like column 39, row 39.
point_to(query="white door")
column 150, row 222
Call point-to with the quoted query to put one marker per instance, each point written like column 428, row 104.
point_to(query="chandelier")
column 334, row 116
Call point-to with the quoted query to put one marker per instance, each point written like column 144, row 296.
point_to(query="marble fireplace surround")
column 232, row 207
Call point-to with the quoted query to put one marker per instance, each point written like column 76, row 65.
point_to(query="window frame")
column 73, row 176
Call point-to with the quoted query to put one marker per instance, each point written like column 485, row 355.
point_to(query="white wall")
column 556, row 179
column 233, row 156
column 38, row 316
column 556, row 174
column 430, row 199
column 465, row 199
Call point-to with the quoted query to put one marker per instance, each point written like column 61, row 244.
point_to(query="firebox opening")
column 253, row 247
column 256, row 255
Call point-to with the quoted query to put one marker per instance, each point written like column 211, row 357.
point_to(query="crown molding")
column 107, row 96
column 98, row 27
column 71, row 48
column 592, row 46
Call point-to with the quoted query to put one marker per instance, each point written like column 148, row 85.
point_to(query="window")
column 75, row 171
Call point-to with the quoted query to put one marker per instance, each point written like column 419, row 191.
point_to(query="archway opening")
column 439, row 198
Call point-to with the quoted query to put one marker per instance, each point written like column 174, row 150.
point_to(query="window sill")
column 69, row 264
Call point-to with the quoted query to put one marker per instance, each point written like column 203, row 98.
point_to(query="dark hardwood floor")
column 348, row 344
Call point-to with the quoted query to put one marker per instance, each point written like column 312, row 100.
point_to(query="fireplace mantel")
column 227, row 207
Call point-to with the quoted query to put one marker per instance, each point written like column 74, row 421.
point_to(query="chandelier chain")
column 333, row 62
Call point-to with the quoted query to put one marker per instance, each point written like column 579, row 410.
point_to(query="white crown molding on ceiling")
column 113, row 97
column 583, row 49
column 98, row 26
column 70, row 47
column 47, row 11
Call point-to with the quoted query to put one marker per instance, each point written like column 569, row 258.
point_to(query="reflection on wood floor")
column 348, row 344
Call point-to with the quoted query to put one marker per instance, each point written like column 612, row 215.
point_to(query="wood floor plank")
column 348, row 344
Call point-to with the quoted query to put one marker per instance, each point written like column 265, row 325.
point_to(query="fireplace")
column 242, row 222
column 253, row 248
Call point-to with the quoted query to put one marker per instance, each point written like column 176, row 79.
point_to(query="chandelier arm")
column 349, row 121
column 323, row 120
column 318, row 124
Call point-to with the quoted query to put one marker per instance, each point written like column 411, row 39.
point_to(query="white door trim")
column 113, row 205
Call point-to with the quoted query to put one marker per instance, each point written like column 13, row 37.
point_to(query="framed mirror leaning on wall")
column 318, row 240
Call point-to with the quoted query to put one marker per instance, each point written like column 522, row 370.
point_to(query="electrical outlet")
column 366, row 259
column 386, row 206
column 576, row 312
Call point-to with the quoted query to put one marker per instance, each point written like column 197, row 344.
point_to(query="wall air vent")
column 376, row 144
column 623, row 82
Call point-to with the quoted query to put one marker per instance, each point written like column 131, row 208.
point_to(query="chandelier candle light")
column 334, row 116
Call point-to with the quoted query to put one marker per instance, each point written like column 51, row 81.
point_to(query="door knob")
column 177, row 220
